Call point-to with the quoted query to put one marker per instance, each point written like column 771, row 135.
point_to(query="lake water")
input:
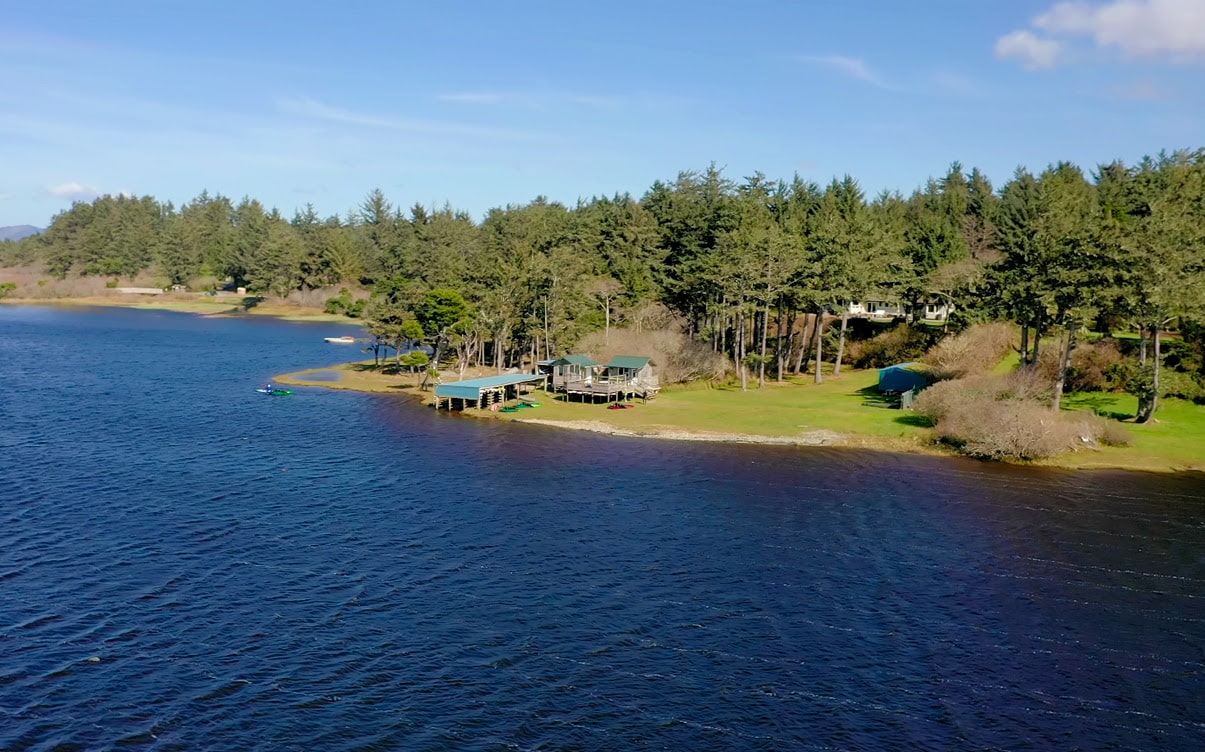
column 186, row 564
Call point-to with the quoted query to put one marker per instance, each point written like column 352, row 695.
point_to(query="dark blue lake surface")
column 186, row 564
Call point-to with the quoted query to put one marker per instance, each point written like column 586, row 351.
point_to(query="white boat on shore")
column 344, row 340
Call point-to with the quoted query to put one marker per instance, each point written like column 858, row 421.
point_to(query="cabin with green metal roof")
column 630, row 370
column 571, row 369
column 624, row 377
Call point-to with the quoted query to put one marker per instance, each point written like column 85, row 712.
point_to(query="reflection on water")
column 185, row 565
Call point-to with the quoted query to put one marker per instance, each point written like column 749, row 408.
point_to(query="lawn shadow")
column 914, row 420
column 1100, row 404
column 872, row 397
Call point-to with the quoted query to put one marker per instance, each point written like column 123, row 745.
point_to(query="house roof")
column 471, row 388
column 634, row 362
column 574, row 360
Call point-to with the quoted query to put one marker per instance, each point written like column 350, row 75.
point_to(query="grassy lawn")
column 1175, row 439
column 849, row 407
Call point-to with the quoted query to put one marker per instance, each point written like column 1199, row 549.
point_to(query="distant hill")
column 18, row 232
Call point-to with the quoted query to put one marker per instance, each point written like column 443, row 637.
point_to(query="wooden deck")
column 605, row 392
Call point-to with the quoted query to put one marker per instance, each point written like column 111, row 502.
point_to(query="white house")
column 934, row 310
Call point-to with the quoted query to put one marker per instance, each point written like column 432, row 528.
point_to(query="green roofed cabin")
column 624, row 377
column 573, row 369
column 630, row 369
column 485, row 393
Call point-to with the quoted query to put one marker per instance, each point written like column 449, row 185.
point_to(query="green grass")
column 1174, row 440
column 849, row 405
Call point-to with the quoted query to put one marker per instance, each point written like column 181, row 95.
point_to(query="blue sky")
column 481, row 104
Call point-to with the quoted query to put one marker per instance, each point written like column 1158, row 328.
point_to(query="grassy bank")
column 226, row 305
column 845, row 411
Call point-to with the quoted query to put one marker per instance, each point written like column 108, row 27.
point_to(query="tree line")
column 739, row 262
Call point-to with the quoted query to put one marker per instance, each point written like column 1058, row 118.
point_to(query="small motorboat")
column 344, row 340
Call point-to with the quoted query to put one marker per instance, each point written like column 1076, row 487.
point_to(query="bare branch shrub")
column 676, row 357
column 1096, row 367
column 973, row 351
column 648, row 317
column 1007, row 417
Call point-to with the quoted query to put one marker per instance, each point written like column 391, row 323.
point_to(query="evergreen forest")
column 1065, row 255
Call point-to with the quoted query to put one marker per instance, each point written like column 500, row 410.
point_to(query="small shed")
column 902, row 377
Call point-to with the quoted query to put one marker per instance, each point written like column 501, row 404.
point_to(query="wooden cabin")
column 624, row 377
column 573, row 369
column 632, row 370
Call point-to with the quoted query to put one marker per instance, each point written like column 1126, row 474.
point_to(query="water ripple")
column 184, row 565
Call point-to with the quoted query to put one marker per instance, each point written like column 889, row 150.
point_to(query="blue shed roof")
column 902, row 377
column 471, row 388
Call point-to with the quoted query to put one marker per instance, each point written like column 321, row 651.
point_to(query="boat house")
column 485, row 393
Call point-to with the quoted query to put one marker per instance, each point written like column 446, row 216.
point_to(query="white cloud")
column 73, row 191
column 848, row 66
column 1034, row 52
column 1167, row 30
column 1139, row 28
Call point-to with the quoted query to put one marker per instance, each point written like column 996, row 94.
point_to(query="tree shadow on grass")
column 914, row 420
column 1100, row 404
column 872, row 397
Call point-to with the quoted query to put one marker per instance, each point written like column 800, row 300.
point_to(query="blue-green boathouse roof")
column 470, row 389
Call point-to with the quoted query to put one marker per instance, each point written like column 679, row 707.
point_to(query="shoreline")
column 225, row 306
column 346, row 377
column 575, row 417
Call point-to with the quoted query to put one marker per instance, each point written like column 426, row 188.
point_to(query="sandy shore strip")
column 811, row 438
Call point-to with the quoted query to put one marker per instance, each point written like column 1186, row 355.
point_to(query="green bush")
column 339, row 303
column 344, row 303
column 414, row 360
